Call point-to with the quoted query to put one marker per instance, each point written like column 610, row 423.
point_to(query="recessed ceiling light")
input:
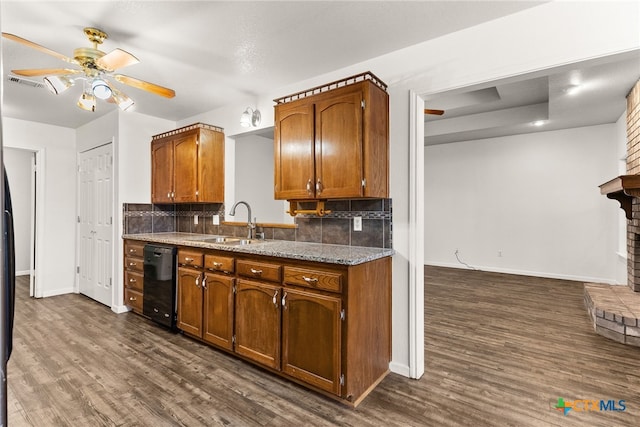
column 538, row 123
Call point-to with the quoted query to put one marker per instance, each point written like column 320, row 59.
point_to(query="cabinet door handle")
column 198, row 282
column 204, row 282
column 318, row 186
column 275, row 298
column 256, row 272
column 309, row 190
column 284, row 297
column 155, row 310
column 310, row 279
column 133, row 299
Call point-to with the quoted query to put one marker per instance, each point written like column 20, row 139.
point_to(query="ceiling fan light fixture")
column 123, row 101
column 250, row 118
column 101, row 89
column 87, row 102
column 58, row 84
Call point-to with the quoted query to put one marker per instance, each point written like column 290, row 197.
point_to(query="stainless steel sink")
column 229, row 240
column 221, row 239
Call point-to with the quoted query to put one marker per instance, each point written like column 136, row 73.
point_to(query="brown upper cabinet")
column 187, row 165
column 332, row 141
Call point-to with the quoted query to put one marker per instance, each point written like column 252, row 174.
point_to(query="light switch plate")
column 195, row 219
column 357, row 223
column 216, row 219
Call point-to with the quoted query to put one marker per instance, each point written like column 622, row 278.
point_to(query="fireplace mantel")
column 623, row 189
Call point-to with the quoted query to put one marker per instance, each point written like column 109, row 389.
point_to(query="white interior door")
column 95, row 224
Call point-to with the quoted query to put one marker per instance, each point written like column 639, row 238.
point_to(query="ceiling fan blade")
column 436, row 112
column 149, row 87
column 34, row 72
column 39, row 47
column 115, row 59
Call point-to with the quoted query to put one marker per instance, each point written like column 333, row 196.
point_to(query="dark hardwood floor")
column 500, row 351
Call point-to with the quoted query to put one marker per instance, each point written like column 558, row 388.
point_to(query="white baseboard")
column 527, row 273
column 400, row 369
column 118, row 309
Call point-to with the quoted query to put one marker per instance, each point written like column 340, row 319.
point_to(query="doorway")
column 23, row 171
column 95, row 224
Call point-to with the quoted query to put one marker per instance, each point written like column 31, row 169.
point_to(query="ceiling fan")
column 96, row 66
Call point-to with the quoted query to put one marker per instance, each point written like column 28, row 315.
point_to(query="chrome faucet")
column 250, row 225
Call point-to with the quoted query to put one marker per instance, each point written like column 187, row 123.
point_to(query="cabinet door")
column 338, row 145
column 311, row 334
column 190, row 301
column 257, row 322
column 185, row 160
column 293, row 151
column 211, row 167
column 162, row 171
column 218, row 310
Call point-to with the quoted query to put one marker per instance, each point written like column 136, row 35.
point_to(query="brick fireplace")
column 615, row 310
column 626, row 188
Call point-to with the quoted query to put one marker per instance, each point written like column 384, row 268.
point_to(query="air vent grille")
column 26, row 82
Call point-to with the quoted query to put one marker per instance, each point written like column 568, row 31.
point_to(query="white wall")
column 254, row 180
column 18, row 165
column 524, row 204
column 55, row 255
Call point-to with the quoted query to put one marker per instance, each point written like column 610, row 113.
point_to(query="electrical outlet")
column 216, row 219
column 357, row 223
column 195, row 219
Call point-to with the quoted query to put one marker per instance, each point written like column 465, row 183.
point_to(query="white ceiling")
column 214, row 53
column 575, row 95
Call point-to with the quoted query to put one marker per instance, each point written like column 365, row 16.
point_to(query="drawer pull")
column 132, row 280
column 217, row 265
column 132, row 264
column 133, row 251
column 133, row 299
column 155, row 310
column 188, row 259
column 310, row 279
column 256, row 272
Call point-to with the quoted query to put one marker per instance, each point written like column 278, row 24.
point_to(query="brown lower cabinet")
column 205, row 297
column 133, row 274
column 325, row 326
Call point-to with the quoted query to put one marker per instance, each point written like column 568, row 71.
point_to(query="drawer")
column 316, row 279
column 133, row 299
column 133, row 280
column 190, row 258
column 219, row 263
column 134, row 264
column 259, row 270
column 134, row 248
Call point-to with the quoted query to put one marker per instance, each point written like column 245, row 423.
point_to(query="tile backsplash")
column 334, row 228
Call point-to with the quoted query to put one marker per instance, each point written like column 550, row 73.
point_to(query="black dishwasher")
column 159, row 296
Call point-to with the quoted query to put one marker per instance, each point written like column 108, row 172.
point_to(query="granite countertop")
column 318, row 252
